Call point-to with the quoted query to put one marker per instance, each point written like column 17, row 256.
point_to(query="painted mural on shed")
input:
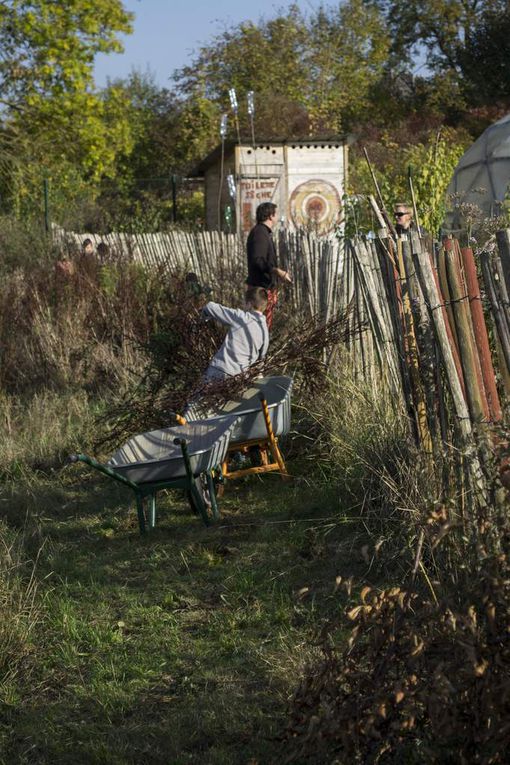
column 305, row 178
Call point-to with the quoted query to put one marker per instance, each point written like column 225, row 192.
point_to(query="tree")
column 48, row 47
column 347, row 52
column 57, row 123
column 168, row 137
column 266, row 58
column 436, row 29
column 310, row 74
column 485, row 58
column 432, row 153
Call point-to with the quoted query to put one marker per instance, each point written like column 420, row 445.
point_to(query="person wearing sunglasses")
column 403, row 214
column 404, row 223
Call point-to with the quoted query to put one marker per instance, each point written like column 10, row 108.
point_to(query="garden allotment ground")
column 181, row 646
column 358, row 611
column 186, row 644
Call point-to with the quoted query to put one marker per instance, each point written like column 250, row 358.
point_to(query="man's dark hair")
column 257, row 296
column 86, row 242
column 265, row 211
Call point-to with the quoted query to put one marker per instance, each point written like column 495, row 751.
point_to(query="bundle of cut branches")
column 178, row 354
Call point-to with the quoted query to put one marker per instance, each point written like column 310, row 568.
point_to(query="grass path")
column 182, row 646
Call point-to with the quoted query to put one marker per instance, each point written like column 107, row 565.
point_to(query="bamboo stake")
column 435, row 305
column 432, row 295
column 410, row 360
column 497, row 311
column 382, row 328
column 445, row 288
column 389, row 222
column 426, row 343
column 412, row 356
column 449, row 330
column 500, row 284
column 413, row 197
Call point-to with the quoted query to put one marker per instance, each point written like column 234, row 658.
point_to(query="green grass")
column 181, row 646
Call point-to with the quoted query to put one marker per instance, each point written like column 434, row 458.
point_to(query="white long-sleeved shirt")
column 246, row 342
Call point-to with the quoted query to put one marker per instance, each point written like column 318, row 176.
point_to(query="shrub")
column 421, row 680
column 63, row 328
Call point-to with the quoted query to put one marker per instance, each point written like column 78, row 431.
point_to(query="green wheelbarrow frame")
column 189, row 483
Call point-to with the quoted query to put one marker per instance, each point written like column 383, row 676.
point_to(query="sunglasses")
column 400, row 214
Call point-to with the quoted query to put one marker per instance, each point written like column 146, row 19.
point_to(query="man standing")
column 404, row 223
column 263, row 268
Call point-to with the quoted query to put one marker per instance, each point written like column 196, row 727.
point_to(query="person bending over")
column 247, row 339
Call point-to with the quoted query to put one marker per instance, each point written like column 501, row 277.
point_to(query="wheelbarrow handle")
column 103, row 469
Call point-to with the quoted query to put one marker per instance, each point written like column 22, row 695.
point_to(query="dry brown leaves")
column 419, row 681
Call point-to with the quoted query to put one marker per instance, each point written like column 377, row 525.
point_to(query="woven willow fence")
column 219, row 260
column 424, row 329
column 434, row 321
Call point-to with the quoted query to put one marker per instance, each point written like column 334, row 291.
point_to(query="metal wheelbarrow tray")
column 251, row 425
column 155, row 456
column 264, row 414
column 182, row 457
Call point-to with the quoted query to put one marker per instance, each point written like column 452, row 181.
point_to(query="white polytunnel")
column 482, row 176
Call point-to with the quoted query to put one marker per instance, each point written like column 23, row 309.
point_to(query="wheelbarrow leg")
column 212, row 495
column 273, row 441
column 141, row 515
column 152, row 510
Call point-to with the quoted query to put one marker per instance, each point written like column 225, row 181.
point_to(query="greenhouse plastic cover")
column 482, row 176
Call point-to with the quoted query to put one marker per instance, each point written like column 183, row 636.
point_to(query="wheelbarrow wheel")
column 204, row 505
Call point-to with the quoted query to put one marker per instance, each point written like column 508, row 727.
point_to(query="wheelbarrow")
column 182, row 457
column 264, row 414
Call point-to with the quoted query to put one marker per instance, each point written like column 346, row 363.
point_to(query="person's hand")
column 285, row 276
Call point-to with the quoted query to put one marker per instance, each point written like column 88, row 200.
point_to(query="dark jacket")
column 261, row 257
column 412, row 228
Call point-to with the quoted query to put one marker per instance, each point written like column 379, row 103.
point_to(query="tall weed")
column 362, row 442
column 40, row 431
column 23, row 244
column 423, row 677
column 61, row 329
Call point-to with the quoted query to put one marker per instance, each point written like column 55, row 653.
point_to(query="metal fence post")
column 46, row 191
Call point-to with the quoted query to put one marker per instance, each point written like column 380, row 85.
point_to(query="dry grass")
column 39, row 432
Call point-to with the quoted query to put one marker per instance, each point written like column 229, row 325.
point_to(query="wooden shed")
column 305, row 178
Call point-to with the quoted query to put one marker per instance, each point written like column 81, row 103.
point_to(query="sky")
column 167, row 31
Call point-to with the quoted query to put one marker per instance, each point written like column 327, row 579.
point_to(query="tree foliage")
column 441, row 27
column 485, row 58
column 431, row 159
column 48, row 48
column 310, row 74
column 54, row 122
